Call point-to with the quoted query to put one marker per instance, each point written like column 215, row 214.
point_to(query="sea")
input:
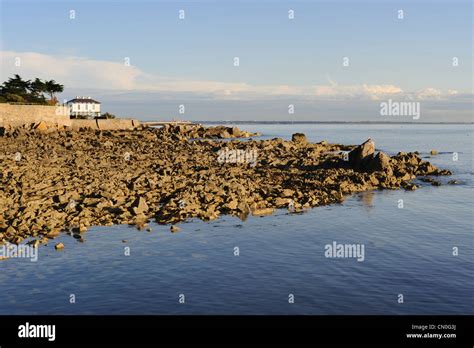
column 417, row 249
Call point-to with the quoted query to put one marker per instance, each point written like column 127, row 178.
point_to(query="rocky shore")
column 53, row 181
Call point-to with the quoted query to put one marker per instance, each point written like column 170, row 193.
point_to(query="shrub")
column 15, row 98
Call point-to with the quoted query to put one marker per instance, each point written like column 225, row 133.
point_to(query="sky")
column 334, row 60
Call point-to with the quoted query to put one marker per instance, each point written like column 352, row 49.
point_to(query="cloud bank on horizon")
column 83, row 73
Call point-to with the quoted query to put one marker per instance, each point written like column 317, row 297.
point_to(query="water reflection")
column 367, row 199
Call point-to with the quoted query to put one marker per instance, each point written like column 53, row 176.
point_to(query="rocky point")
column 60, row 180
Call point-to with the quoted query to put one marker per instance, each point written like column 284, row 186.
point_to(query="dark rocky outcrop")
column 299, row 138
column 381, row 162
column 200, row 132
column 362, row 154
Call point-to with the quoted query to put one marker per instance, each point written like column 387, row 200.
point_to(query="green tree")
column 37, row 87
column 15, row 89
column 51, row 87
column 16, row 85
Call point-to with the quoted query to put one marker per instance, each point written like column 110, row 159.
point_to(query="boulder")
column 139, row 206
column 235, row 132
column 380, row 163
column 409, row 186
column 282, row 202
column 299, row 138
column 59, row 246
column 232, row 205
column 362, row 153
column 262, row 211
column 42, row 127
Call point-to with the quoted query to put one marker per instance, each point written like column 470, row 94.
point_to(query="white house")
column 83, row 106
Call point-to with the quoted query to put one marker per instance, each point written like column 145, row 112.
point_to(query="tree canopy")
column 15, row 89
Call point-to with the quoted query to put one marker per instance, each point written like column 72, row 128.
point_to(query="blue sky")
column 282, row 61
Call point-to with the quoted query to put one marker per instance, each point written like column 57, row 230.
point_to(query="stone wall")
column 78, row 124
column 12, row 115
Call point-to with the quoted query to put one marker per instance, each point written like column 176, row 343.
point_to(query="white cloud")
column 429, row 93
column 83, row 73
column 71, row 71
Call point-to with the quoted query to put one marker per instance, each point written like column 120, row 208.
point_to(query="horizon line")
column 325, row 122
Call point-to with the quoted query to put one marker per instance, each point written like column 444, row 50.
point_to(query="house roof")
column 83, row 100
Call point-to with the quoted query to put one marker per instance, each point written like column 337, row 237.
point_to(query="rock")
column 362, row 153
column 59, row 246
column 232, row 205
column 288, row 193
column 381, row 162
column 53, row 234
column 453, row 182
column 79, row 229
column 430, row 180
column 192, row 132
column 443, row 172
column 299, row 138
column 34, row 243
column 282, row 202
column 433, row 152
column 224, row 134
column 174, row 229
column 409, row 186
column 426, row 168
column 17, row 240
column 262, row 211
column 139, row 206
column 42, row 127
column 235, row 132
column 90, row 183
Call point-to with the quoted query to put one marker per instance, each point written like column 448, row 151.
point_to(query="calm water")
column 408, row 251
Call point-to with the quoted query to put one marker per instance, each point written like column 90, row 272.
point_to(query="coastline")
column 227, row 122
column 69, row 181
